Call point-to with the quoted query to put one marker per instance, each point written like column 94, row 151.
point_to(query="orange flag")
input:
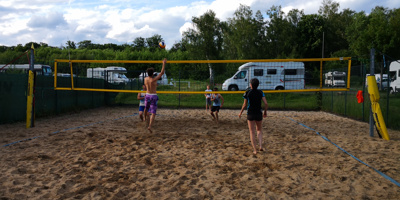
column 360, row 97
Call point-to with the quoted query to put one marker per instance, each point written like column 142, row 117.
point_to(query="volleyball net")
column 193, row 76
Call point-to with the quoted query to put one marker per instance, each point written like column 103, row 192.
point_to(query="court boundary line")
column 325, row 138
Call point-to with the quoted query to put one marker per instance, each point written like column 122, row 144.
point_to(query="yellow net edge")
column 200, row 61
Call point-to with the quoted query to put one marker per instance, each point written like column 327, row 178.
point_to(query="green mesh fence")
column 47, row 100
column 13, row 97
column 345, row 103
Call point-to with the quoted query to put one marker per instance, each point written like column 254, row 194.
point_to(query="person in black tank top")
column 253, row 99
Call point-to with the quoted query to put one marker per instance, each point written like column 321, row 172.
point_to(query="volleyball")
column 161, row 45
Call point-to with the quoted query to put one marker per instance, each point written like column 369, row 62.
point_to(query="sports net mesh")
column 192, row 77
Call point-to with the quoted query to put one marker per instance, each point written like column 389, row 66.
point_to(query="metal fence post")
column 363, row 84
column 345, row 103
column 179, row 105
column 372, row 73
column 388, row 91
column 332, row 101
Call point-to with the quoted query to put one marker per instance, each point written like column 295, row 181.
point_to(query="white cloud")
column 121, row 21
column 52, row 20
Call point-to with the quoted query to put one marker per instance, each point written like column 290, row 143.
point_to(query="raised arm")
column 162, row 70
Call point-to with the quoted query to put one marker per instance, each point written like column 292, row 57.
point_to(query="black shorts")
column 215, row 108
column 252, row 117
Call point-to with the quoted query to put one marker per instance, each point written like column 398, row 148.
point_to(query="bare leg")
column 252, row 135
column 216, row 116
column 141, row 115
column 146, row 117
column 153, row 116
column 145, row 114
column 212, row 114
column 259, row 134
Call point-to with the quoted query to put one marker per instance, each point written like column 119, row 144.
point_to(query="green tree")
column 152, row 42
column 355, row 34
column 281, row 34
column 205, row 40
column 245, row 35
column 394, row 32
column 378, row 29
column 139, row 43
column 310, row 30
column 85, row 44
column 71, row 44
column 335, row 26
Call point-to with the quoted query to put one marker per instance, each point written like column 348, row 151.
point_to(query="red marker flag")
column 360, row 97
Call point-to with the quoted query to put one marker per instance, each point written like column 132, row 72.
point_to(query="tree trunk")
column 211, row 74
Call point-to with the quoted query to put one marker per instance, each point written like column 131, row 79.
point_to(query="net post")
column 55, row 74
column 348, row 74
column 320, row 75
column 72, row 77
column 30, row 101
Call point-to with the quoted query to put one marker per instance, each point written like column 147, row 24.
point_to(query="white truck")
column 44, row 70
column 111, row 74
column 335, row 79
column 394, row 73
column 271, row 75
column 162, row 81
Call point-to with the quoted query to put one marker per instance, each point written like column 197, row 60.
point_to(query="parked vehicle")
column 162, row 81
column 394, row 73
column 272, row 76
column 335, row 79
column 65, row 75
column 111, row 74
column 40, row 69
column 379, row 81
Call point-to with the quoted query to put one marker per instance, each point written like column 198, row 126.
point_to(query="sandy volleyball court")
column 107, row 154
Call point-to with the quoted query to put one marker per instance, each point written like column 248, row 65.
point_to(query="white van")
column 394, row 73
column 272, row 76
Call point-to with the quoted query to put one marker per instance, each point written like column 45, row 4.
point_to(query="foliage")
column 246, row 35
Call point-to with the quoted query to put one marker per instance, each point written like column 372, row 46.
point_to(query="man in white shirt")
column 208, row 98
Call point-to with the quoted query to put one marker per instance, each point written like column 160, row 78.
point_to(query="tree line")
column 246, row 35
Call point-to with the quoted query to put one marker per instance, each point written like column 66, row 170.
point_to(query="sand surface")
column 107, row 153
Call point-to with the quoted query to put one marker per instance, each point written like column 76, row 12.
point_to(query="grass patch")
column 292, row 101
column 342, row 103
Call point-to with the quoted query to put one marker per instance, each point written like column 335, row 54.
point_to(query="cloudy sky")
column 121, row 21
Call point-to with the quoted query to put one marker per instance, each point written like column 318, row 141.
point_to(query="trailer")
column 335, row 79
column 382, row 83
column 39, row 69
column 111, row 74
column 394, row 75
column 272, row 76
